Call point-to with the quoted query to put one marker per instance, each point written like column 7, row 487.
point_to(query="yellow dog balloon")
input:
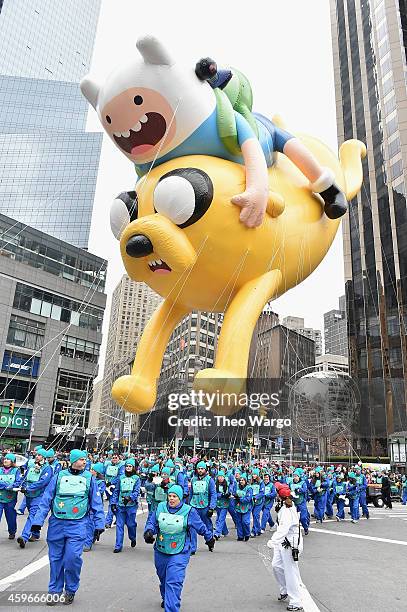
column 186, row 242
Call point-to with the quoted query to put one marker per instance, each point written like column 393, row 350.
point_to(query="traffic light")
column 11, row 407
column 250, row 435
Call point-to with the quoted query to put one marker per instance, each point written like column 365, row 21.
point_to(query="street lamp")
column 35, row 408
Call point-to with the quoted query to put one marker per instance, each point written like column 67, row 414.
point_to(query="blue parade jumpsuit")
column 404, row 492
column 233, row 487
column 320, row 498
column 223, row 494
column 329, row 511
column 258, row 490
column 112, row 470
column 35, row 490
column 270, row 494
column 171, row 568
column 243, row 508
column 126, row 513
column 339, row 490
column 362, row 482
column 91, row 525
column 202, row 501
column 9, row 478
column 23, row 505
column 352, row 492
column 301, row 489
column 66, row 537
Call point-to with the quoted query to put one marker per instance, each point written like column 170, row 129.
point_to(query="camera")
column 295, row 553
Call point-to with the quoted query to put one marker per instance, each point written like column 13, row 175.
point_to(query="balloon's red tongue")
column 161, row 271
column 139, row 149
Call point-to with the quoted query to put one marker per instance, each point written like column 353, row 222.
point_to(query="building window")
column 72, row 397
column 76, row 348
column 49, row 305
column 394, row 147
column 25, row 333
column 396, row 169
column 18, row 390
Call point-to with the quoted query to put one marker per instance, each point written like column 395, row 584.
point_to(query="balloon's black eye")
column 108, row 119
column 138, row 100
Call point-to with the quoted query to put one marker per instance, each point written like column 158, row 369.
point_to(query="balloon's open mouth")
column 159, row 266
column 142, row 136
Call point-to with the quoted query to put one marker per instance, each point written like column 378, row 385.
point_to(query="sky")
column 283, row 46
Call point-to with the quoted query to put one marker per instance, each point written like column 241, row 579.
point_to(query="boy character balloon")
column 155, row 110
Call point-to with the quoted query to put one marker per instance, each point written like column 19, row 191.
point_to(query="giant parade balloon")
column 230, row 210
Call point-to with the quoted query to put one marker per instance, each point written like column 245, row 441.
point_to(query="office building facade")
column 298, row 324
column 369, row 53
column 132, row 306
column 336, row 330
column 51, row 316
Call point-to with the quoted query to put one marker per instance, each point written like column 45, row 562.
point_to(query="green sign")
column 20, row 419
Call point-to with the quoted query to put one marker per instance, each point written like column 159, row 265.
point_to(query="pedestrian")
column 10, row 478
column 339, row 488
column 69, row 496
column 287, row 545
column 243, row 506
column 173, row 523
column 257, row 486
column 270, row 494
column 96, row 470
column 33, row 486
column 362, row 482
column 124, row 502
column 404, row 490
column 299, row 492
column 223, row 495
column 386, row 491
column 352, row 491
column 112, row 469
column 203, row 499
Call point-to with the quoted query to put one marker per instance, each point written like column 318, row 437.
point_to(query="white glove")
column 294, row 495
column 342, row 496
column 16, row 489
column 270, row 544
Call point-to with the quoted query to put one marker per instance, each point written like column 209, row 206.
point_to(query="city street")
column 344, row 567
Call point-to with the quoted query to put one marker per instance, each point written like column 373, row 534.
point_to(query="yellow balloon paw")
column 134, row 394
column 227, row 391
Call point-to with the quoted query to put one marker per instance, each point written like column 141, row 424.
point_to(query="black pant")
column 386, row 496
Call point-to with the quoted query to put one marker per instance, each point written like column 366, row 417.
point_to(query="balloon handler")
column 172, row 523
column 9, row 484
column 124, row 503
column 70, row 496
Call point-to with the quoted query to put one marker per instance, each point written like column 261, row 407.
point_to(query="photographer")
column 287, row 544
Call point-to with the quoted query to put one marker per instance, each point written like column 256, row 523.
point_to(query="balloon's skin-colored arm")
column 253, row 200
column 230, row 371
column 137, row 392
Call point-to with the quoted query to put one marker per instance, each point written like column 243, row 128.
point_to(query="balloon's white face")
column 150, row 105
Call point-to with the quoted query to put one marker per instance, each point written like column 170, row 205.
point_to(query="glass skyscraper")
column 47, row 39
column 369, row 50
column 48, row 164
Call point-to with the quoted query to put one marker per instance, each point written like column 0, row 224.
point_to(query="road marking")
column 361, row 537
column 308, row 603
column 23, row 573
column 31, row 568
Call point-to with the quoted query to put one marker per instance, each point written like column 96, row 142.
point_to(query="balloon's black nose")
column 139, row 246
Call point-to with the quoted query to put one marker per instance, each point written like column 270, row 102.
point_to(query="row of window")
column 76, row 348
column 54, row 261
column 25, row 333
column 52, row 306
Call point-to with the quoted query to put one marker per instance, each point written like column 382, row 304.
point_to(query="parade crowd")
column 186, row 498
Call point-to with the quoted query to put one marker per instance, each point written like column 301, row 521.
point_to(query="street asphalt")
column 340, row 571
